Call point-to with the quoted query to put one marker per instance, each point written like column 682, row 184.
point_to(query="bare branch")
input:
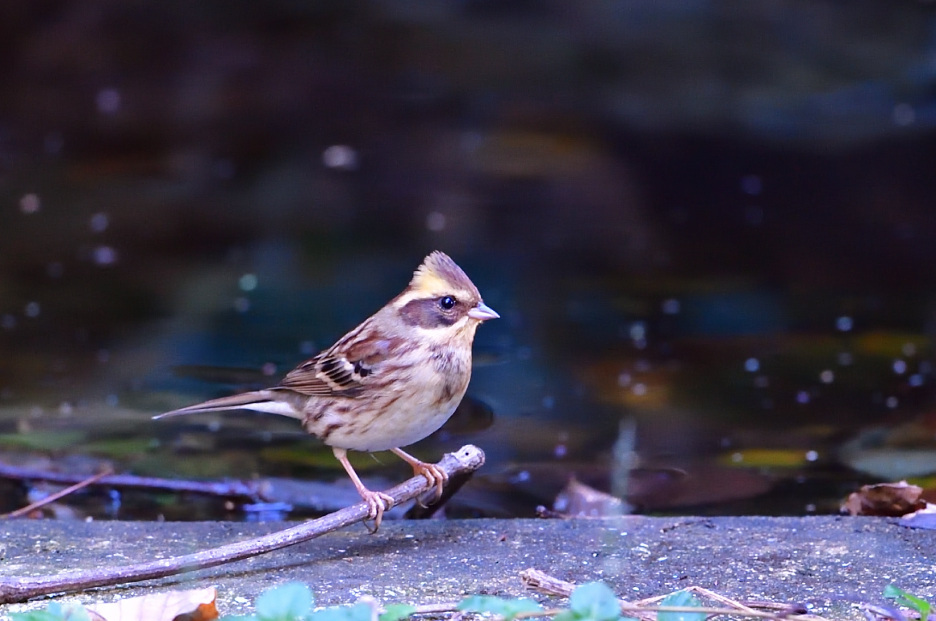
column 57, row 495
column 233, row 489
column 467, row 459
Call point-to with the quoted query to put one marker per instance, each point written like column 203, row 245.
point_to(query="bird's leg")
column 436, row 476
column 378, row 502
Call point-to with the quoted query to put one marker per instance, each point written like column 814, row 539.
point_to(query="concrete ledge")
column 831, row 563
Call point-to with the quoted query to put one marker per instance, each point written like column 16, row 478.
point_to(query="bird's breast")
column 393, row 414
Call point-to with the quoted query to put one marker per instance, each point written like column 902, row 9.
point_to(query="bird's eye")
column 447, row 303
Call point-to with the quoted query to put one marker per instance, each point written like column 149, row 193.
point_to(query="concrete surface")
column 829, row 563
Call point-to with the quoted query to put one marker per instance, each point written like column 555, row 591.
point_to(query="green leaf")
column 35, row 615
column 565, row 615
column 357, row 612
column 506, row 608
column 910, row 601
column 53, row 612
column 76, row 612
column 681, row 598
column 595, row 601
column 288, row 602
column 397, row 612
column 42, row 440
column 118, row 447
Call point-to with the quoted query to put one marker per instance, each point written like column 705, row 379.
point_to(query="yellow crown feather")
column 439, row 275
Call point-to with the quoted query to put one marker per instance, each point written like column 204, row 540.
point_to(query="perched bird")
column 389, row 382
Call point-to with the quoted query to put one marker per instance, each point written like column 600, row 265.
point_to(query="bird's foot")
column 436, row 477
column 377, row 503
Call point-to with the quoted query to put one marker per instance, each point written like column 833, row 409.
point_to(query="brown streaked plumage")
column 389, row 382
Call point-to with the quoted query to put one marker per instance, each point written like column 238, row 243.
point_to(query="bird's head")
column 441, row 296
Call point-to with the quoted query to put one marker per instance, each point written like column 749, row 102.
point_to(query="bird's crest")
column 440, row 275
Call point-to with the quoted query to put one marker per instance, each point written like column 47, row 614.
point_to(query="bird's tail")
column 259, row 401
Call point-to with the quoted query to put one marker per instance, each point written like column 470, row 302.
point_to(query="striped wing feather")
column 340, row 370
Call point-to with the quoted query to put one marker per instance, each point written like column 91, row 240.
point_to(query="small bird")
column 389, row 382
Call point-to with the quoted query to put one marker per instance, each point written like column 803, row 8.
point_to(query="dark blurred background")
column 711, row 222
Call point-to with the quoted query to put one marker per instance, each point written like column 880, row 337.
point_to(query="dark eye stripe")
column 427, row 314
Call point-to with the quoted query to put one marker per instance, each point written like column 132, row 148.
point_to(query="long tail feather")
column 260, row 401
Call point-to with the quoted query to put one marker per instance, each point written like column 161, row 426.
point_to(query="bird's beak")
column 482, row 312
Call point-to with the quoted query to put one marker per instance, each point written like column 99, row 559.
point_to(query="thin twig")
column 57, row 495
column 721, row 599
column 466, row 459
column 434, row 609
column 542, row 582
column 631, row 609
column 704, row 610
column 873, row 612
column 229, row 489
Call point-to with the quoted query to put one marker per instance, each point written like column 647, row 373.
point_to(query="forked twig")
column 467, row 459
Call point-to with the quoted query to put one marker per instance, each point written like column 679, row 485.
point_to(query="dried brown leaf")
column 580, row 500
column 195, row 604
column 885, row 499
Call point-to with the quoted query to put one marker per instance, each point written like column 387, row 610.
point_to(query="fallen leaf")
column 885, row 499
column 580, row 500
column 195, row 604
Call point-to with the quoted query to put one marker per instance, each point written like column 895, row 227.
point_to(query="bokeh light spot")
column 670, row 306
column 99, row 222
column 105, row 255
column 247, row 282
column 435, row 221
column 340, row 157
column 108, row 101
column 29, row 204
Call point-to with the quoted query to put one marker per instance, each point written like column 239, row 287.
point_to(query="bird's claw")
column 377, row 503
column 436, row 477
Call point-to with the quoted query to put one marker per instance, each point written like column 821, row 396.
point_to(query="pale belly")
column 398, row 426
column 403, row 420
column 412, row 409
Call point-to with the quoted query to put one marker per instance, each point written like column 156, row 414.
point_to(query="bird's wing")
column 342, row 370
